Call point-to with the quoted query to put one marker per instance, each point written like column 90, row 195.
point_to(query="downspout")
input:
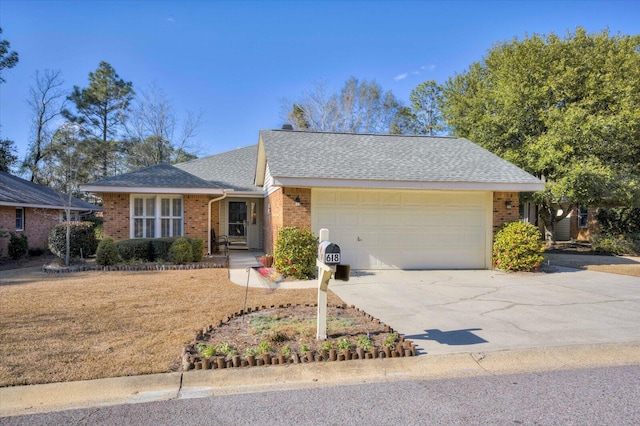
column 213, row 200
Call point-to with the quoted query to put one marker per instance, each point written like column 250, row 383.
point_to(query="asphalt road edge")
column 21, row 400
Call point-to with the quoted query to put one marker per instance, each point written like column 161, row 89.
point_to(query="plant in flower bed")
column 286, row 335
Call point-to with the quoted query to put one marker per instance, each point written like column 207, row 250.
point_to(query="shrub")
column 517, row 247
column 160, row 248
column 620, row 244
column 36, row 251
column 137, row 249
column 619, row 221
column 181, row 251
column 196, row 248
column 296, row 253
column 17, row 245
column 107, row 253
column 82, row 242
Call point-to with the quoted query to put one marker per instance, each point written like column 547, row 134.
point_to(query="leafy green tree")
column 7, row 155
column 101, row 110
column 7, row 59
column 425, row 113
column 359, row 107
column 564, row 109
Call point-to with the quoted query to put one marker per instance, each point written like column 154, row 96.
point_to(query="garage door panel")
column 405, row 229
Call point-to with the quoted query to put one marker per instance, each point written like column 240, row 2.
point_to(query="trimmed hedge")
column 181, row 251
column 83, row 240
column 157, row 249
column 107, row 253
column 296, row 253
column 517, row 246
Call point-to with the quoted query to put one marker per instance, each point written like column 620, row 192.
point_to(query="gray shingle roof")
column 295, row 154
column 17, row 191
column 158, row 176
column 233, row 170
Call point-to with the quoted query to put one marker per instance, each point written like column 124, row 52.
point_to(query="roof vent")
column 287, row 127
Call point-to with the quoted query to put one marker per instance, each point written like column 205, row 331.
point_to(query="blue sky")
column 235, row 61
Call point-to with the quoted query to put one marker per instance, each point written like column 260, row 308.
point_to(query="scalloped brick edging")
column 192, row 360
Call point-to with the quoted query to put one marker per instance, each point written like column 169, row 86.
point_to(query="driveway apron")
column 473, row 311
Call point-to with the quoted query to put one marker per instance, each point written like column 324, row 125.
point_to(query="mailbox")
column 329, row 253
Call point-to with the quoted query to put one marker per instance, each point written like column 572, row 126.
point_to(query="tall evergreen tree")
column 7, row 59
column 101, row 110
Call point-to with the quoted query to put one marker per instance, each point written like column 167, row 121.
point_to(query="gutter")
column 213, row 200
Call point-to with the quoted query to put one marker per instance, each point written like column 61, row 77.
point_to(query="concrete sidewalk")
column 241, row 264
column 21, row 400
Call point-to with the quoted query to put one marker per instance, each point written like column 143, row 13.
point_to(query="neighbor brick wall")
column 37, row 224
column 583, row 234
column 116, row 213
column 501, row 214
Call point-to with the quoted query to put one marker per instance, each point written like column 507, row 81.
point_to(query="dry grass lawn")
column 93, row 325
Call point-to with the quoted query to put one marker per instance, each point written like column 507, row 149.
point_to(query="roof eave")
column 150, row 190
column 391, row 184
column 48, row 206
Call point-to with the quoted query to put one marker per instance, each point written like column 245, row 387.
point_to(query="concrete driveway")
column 474, row 311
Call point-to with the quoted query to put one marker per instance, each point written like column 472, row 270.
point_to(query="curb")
column 21, row 400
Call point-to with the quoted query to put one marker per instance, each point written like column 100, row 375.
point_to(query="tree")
column 565, row 110
column 46, row 102
column 68, row 154
column 426, row 116
column 7, row 59
column 153, row 131
column 101, row 111
column 7, row 155
column 359, row 107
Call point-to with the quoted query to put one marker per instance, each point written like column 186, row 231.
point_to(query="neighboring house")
column 579, row 225
column 389, row 201
column 32, row 210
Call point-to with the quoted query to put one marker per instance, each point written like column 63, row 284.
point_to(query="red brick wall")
column 37, row 224
column 280, row 210
column 116, row 213
column 501, row 214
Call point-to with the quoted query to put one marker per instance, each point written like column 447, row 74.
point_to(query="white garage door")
column 406, row 229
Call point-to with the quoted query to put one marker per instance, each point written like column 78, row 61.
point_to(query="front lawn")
column 91, row 325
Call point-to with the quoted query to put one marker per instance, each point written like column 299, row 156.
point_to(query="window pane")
column 151, row 228
column 165, row 227
column 165, row 207
column 137, row 228
column 137, row 207
column 19, row 219
column 177, row 227
column 150, row 207
column 177, row 207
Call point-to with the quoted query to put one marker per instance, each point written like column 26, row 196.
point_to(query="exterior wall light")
column 297, row 201
column 507, row 204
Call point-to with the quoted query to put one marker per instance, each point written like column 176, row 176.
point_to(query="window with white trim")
column 583, row 217
column 19, row 219
column 155, row 216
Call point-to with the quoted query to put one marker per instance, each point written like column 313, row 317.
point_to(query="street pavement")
column 465, row 323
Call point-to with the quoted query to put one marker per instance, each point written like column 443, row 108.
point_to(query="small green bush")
column 296, row 253
column 619, row 220
column 619, row 244
column 160, row 247
column 36, row 251
column 136, row 249
column 18, row 245
column 196, row 248
column 107, row 253
column 181, row 251
column 517, row 247
column 83, row 240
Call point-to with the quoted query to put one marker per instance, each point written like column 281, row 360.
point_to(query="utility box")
column 329, row 253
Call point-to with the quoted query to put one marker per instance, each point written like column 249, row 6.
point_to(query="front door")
column 237, row 223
